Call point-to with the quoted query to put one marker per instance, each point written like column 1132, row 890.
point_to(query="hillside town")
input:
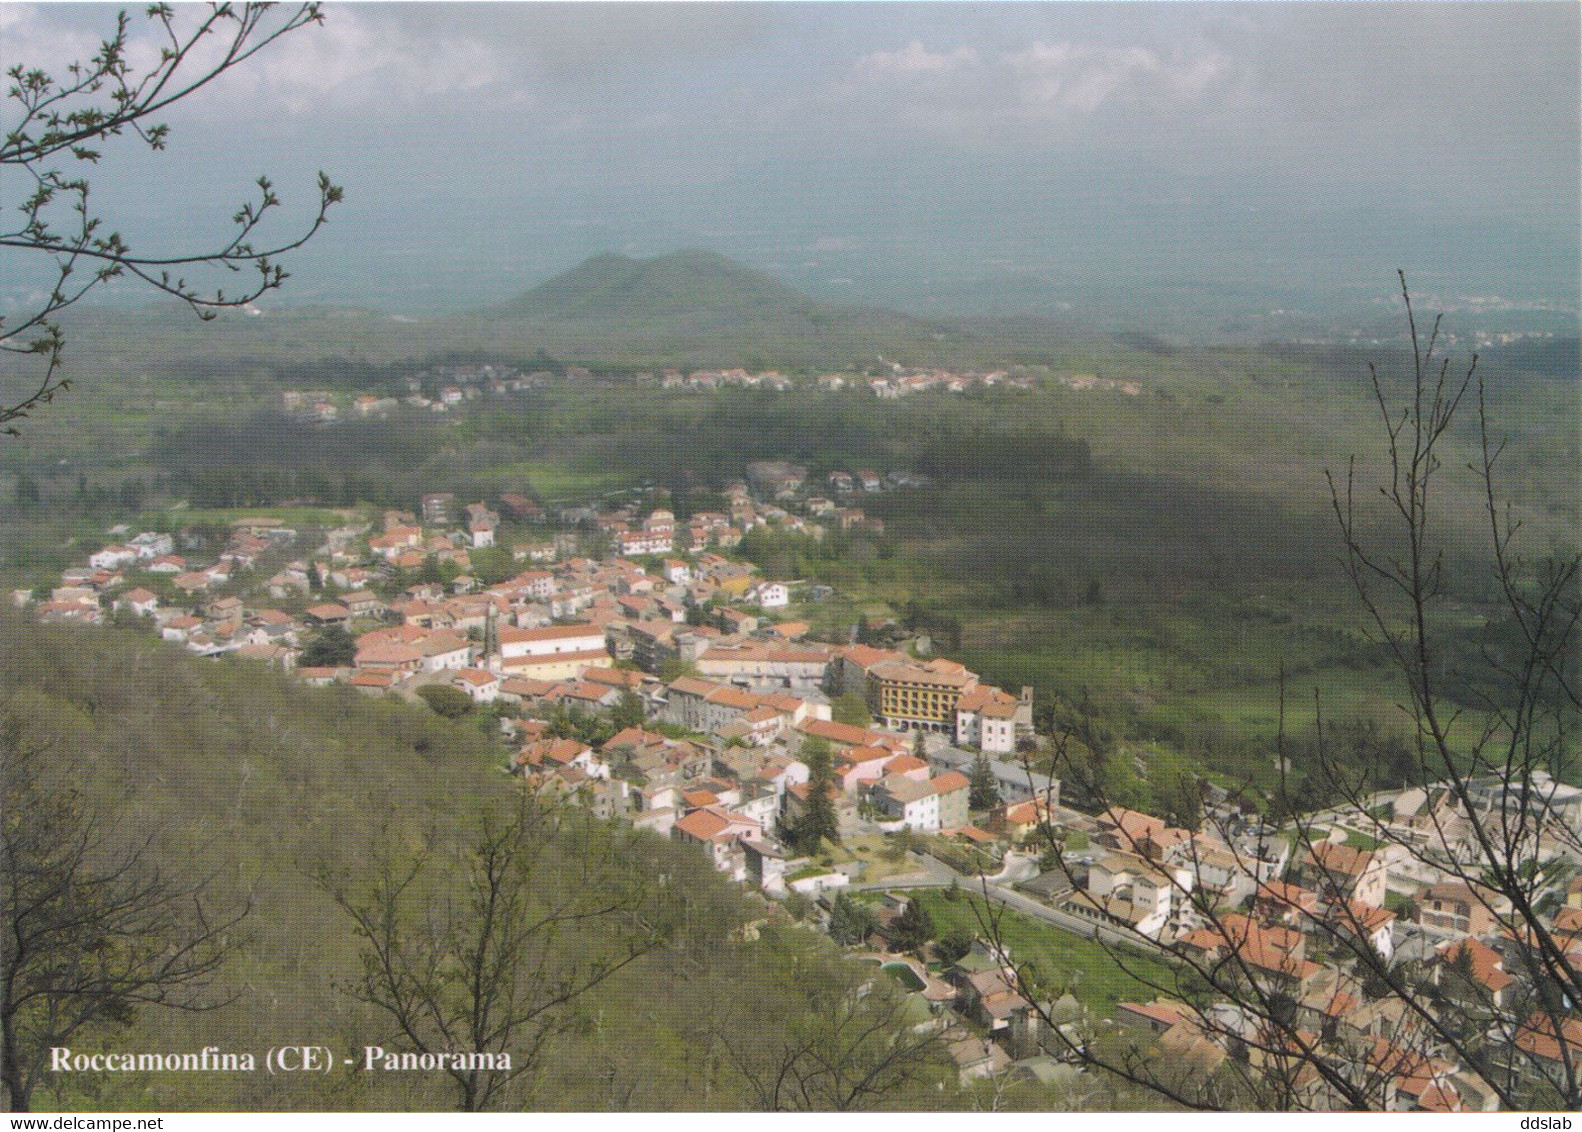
column 664, row 683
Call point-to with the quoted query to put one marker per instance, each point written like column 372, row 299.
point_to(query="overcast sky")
column 894, row 150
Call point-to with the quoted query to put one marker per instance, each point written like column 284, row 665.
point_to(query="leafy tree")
column 675, row 669
column 847, row 1043
column 90, row 928
column 488, row 944
column 850, row 709
column 330, row 647
column 628, row 711
column 447, row 700
column 492, row 564
column 132, row 495
column 56, row 129
column 850, row 922
column 984, row 789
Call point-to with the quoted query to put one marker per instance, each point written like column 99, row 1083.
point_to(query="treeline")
column 270, row 458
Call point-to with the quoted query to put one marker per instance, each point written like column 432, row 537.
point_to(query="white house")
column 483, row 686
column 445, row 650
column 112, row 557
column 1137, row 891
column 772, row 595
column 552, row 652
column 914, row 803
column 140, row 601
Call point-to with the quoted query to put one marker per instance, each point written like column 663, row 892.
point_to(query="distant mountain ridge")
column 680, row 283
column 692, row 304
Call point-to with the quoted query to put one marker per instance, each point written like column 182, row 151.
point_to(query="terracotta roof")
column 971, row 833
column 704, row 825
column 907, row 673
column 477, row 677
column 328, row 611
column 388, row 654
column 1032, row 810
column 616, row 677
column 1486, row 963
column 1568, row 924
column 1540, row 1037
column 1340, row 858
column 561, row 751
column 526, row 686
column 551, row 658
column 864, row 754
column 769, row 653
column 848, row 735
column 949, row 781
column 1166, row 1013
column 1273, row 949
column 511, row 636
column 635, row 737
column 1288, row 895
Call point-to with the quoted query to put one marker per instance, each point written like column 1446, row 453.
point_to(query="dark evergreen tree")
column 817, row 823
column 850, row 922
column 913, row 928
column 984, row 790
column 27, row 491
column 954, row 945
column 332, row 647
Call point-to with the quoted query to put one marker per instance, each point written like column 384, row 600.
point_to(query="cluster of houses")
column 686, row 644
column 898, row 382
column 437, row 389
column 903, row 382
column 976, row 1004
column 1295, row 918
column 1084, row 382
column 1260, row 907
column 785, row 500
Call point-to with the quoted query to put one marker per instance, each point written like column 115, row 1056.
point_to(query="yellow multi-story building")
column 925, row 695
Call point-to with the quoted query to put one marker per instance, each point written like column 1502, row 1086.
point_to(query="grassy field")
column 169, row 518
column 558, row 481
column 1063, row 959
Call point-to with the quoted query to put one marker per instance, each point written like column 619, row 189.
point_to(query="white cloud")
column 973, row 92
column 1065, row 77
column 353, row 60
column 29, row 37
column 915, row 59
